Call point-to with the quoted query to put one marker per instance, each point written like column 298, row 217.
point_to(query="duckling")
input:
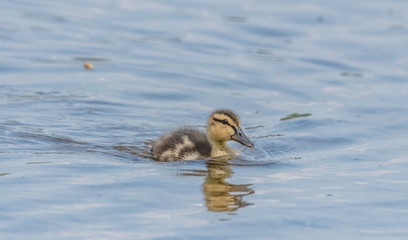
column 192, row 144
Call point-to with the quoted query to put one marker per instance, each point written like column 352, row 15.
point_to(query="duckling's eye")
column 223, row 121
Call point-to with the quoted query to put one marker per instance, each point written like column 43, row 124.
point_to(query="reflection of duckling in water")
column 221, row 196
column 192, row 144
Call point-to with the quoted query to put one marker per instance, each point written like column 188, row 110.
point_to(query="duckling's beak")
column 240, row 137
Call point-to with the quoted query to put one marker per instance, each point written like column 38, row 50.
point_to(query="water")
column 321, row 89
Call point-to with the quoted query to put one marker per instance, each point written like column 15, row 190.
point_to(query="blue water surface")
column 321, row 88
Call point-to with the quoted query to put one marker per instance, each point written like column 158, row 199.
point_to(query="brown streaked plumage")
column 192, row 144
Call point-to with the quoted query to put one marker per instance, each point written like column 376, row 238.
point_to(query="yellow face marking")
column 230, row 121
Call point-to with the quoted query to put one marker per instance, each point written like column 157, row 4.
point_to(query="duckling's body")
column 182, row 144
column 192, row 144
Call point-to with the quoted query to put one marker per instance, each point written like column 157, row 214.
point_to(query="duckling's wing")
column 201, row 147
column 182, row 144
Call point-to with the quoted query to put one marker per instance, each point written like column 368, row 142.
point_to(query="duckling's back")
column 182, row 144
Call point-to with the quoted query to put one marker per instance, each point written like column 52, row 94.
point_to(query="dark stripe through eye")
column 223, row 121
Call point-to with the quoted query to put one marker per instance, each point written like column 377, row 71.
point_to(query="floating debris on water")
column 351, row 74
column 295, row 115
column 88, row 65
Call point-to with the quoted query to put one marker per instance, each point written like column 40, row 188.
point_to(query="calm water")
column 321, row 88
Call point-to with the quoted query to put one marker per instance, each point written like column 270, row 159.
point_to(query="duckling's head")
column 224, row 125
